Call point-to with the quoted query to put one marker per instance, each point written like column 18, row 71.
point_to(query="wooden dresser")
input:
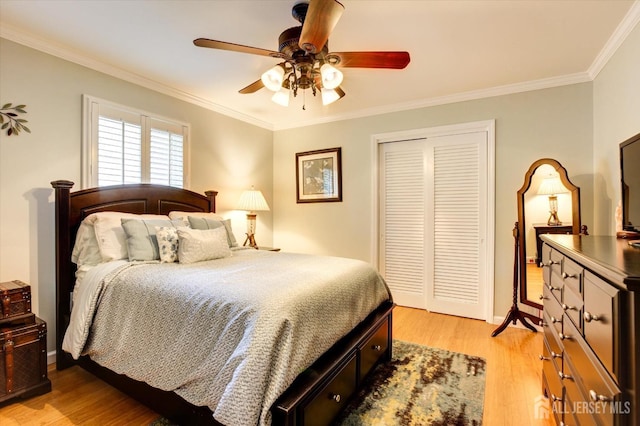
column 591, row 322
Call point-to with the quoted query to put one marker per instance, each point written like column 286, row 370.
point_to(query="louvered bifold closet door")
column 457, row 214
column 402, row 221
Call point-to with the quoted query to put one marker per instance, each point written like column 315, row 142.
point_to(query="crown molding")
column 631, row 19
column 628, row 23
column 509, row 89
column 67, row 54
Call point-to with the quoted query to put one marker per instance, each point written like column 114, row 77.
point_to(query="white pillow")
column 86, row 250
column 198, row 245
column 112, row 240
column 174, row 215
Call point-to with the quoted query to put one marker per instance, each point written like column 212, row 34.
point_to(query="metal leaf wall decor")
column 10, row 121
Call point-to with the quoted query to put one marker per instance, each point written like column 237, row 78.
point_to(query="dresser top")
column 610, row 257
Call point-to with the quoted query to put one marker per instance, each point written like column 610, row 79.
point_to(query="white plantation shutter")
column 119, row 152
column 166, row 158
column 122, row 146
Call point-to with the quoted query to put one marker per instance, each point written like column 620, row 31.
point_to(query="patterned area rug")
column 420, row 386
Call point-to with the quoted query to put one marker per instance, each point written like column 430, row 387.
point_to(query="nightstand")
column 543, row 228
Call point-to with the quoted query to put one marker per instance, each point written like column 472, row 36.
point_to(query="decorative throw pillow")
column 167, row 243
column 198, row 245
column 209, row 223
column 142, row 243
column 110, row 235
column 184, row 215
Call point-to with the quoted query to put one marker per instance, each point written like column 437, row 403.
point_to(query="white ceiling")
column 459, row 49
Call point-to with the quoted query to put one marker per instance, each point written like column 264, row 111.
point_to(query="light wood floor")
column 512, row 386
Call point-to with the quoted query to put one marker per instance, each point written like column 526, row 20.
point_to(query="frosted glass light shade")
column 329, row 96
column 272, row 79
column 281, row 97
column 331, row 76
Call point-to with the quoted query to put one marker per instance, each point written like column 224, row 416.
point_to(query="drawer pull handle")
column 588, row 317
column 544, row 358
column 595, row 397
column 564, row 376
column 555, row 398
column 555, row 320
column 568, row 308
column 552, row 288
column 565, row 276
column 555, row 355
column 335, row 397
column 541, row 297
column 564, row 336
column 376, row 348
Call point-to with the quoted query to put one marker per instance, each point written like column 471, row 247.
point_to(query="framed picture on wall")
column 319, row 176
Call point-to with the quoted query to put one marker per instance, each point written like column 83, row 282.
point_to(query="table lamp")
column 552, row 186
column 252, row 201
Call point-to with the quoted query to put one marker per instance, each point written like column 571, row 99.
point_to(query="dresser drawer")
column 551, row 334
column 573, row 306
column 374, row 349
column 600, row 308
column 589, row 375
column 332, row 398
column 572, row 276
column 551, row 367
column 577, row 405
column 552, row 309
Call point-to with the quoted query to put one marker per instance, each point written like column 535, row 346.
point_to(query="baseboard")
column 51, row 357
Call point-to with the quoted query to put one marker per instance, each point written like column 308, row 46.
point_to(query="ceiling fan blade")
column 322, row 16
column 223, row 45
column 394, row 60
column 252, row 88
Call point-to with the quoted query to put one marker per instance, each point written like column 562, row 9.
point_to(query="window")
column 122, row 145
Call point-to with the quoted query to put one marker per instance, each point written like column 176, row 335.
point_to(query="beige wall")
column 227, row 155
column 554, row 123
column 616, row 117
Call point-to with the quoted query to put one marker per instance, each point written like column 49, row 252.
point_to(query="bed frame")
column 322, row 390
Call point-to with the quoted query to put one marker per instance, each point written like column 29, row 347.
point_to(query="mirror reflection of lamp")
column 252, row 201
column 552, row 186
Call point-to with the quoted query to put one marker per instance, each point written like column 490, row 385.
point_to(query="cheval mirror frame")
column 522, row 224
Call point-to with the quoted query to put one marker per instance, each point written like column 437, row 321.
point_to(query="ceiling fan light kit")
column 308, row 64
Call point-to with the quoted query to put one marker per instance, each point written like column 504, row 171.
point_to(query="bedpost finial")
column 63, row 184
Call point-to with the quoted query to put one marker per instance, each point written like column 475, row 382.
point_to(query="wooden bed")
column 317, row 395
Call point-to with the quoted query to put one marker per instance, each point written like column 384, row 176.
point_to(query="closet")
column 434, row 212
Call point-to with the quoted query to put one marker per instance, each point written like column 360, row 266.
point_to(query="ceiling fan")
column 306, row 60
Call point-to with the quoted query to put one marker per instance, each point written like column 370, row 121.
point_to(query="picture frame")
column 319, row 176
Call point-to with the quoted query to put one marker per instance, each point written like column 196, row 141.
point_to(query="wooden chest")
column 15, row 299
column 23, row 361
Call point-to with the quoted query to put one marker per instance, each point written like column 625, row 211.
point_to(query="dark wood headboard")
column 72, row 207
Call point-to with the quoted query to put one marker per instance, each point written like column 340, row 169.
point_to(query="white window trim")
column 89, row 153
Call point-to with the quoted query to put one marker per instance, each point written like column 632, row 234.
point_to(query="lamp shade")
column 272, row 78
column 253, row 201
column 552, row 186
column 331, row 76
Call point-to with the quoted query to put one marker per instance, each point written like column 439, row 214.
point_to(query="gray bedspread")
column 232, row 333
